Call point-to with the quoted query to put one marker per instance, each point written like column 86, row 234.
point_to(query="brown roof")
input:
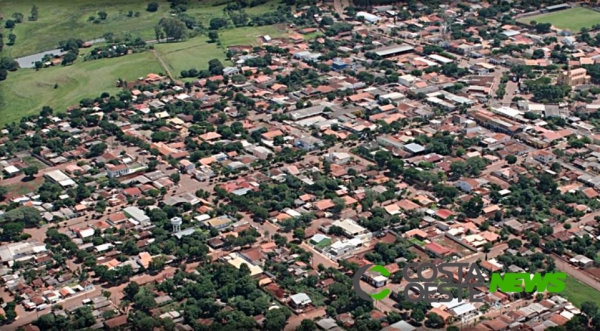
column 116, row 322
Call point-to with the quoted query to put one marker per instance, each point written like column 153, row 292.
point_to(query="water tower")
column 176, row 222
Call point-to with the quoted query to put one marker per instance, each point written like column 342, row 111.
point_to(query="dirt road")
column 570, row 270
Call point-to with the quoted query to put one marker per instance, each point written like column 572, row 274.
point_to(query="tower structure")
column 176, row 222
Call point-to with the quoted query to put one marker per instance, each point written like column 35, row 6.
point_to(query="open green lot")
column 572, row 19
column 62, row 19
column 194, row 53
column 26, row 90
column 578, row 292
column 250, row 35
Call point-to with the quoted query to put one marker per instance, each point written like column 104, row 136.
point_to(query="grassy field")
column 26, row 91
column 579, row 293
column 22, row 188
column 194, row 53
column 250, row 35
column 62, row 19
column 572, row 19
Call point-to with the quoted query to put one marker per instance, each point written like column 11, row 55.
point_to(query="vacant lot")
column 25, row 92
column 250, row 35
column 578, row 292
column 571, row 19
column 194, row 53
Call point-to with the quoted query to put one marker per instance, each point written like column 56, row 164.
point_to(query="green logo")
column 514, row 281
column 386, row 291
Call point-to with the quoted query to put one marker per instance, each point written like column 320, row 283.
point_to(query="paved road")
column 30, row 60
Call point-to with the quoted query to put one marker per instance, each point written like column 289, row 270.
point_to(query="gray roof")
column 393, row 50
column 414, row 148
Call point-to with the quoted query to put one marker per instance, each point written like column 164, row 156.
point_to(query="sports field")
column 26, row 91
column 578, row 292
column 571, row 19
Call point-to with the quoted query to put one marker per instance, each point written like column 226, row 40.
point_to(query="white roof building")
column 60, row 178
column 300, row 299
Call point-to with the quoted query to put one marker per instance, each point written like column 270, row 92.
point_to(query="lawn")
column 194, row 53
column 572, row 19
column 578, row 292
column 26, row 90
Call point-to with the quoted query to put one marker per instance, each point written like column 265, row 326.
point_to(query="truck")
column 41, row 307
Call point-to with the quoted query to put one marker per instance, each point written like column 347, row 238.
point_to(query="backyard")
column 579, row 293
column 572, row 19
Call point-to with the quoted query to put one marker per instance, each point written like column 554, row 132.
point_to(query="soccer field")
column 571, row 19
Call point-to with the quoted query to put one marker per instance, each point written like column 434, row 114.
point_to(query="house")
column 375, row 279
column 299, row 300
column 219, row 223
column 544, row 157
column 114, row 171
column 468, row 184
column 351, row 228
column 308, row 143
column 186, row 166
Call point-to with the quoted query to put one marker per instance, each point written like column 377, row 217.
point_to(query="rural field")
column 26, row 90
column 62, row 19
column 193, row 53
column 571, row 19
column 578, row 292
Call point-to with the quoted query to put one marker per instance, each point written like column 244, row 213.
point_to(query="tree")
column 217, row 23
column 299, row 234
column 12, row 38
column 174, row 29
column 18, row 17
column 3, row 191
column 215, row 67
column 511, row 159
column 69, row 58
column 307, row 325
column 538, row 54
column 30, row 171
column 213, row 35
column 152, row 7
column 103, row 15
column 131, row 290
column 9, row 24
column 434, row 321
column 589, row 308
column 34, row 13
column 515, row 243
column 29, row 216
column 452, row 328
column 275, row 320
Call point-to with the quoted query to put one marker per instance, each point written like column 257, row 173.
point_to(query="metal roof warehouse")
column 393, row 50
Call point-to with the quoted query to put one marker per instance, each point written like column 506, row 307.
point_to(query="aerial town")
column 248, row 196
